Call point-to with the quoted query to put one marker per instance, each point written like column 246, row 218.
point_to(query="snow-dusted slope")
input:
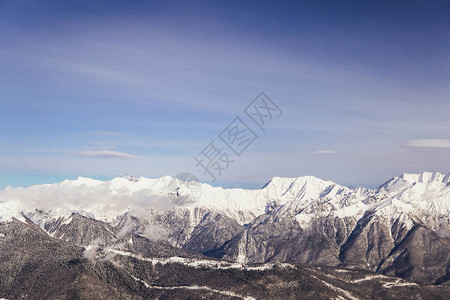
column 423, row 197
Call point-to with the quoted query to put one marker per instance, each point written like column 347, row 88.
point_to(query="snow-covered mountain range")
column 420, row 195
column 400, row 228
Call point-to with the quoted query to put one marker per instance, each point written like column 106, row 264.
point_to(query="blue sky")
column 112, row 87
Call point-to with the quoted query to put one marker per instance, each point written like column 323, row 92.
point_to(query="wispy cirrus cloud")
column 429, row 143
column 105, row 154
column 324, row 152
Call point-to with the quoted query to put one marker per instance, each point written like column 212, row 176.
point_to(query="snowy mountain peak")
column 130, row 178
column 424, row 177
column 446, row 178
column 281, row 182
column 82, row 181
column 405, row 181
column 305, row 187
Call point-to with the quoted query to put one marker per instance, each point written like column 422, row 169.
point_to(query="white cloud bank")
column 324, row 152
column 429, row 143
column 105, row 154
column 99, row 199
